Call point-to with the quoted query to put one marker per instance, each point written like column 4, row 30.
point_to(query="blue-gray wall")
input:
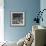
column 43, row 6
column 30, row 7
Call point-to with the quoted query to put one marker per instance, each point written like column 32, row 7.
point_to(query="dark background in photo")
column 17, row 18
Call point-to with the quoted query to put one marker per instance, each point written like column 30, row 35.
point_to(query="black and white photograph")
column 17, row 18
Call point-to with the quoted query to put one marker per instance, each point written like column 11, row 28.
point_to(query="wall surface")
column 30, row 7
column 43, row 6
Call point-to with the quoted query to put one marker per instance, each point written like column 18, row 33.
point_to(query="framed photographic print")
column 17, row 18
